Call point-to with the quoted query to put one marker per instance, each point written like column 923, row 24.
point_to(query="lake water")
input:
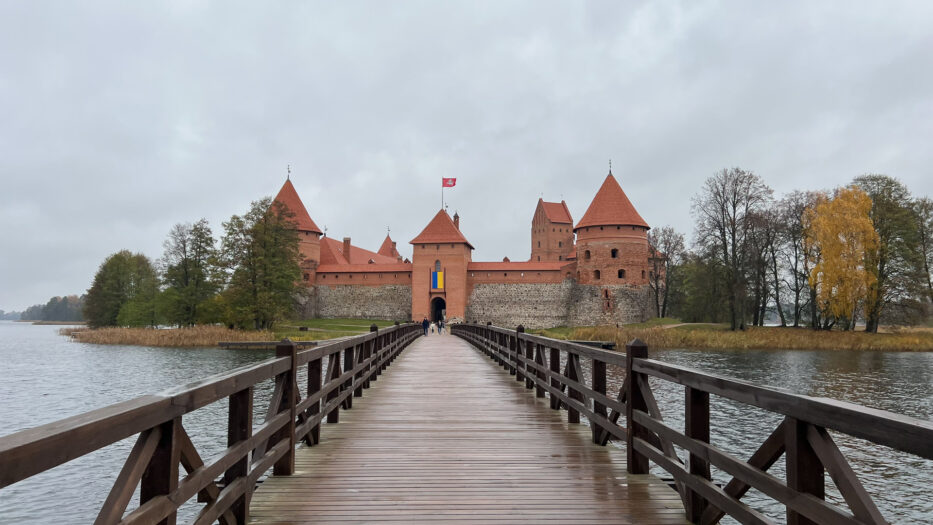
column 45, row 377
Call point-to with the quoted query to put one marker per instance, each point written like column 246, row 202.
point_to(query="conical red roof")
column 289, row 197
column 611, row 207
column 441, row 229
column 388, row 248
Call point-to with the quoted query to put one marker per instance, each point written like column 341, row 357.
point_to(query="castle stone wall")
column 390, row 302
column 540, row 305
column 566, row 303
column 589, row 304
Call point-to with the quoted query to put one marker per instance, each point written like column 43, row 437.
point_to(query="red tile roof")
column 364, row 268
column 524, row 266
column 289, row 197
column 441, row 229
column 332, row 254
column 557, row 212
column 611, row 207
column 388, row 248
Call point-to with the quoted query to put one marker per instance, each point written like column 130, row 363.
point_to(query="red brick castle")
column 596, row 272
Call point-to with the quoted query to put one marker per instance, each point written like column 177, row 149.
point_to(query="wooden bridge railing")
column 801, row 437
column 163, row 444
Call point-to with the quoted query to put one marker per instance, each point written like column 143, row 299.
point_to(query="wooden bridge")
column 446, row 435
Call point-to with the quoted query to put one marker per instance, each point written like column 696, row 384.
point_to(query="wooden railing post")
column 286, row 465
column 239, row 429
column 635, row 400
column 161, row 475
column 333, row 372
column 804, row 468
column 517, row 352
column 314, row 386
column 696, row 418
column 530, row 372
column 573, row 374
column 599, row 386
column 555, row 367
column 541, row 360
column 348, row 354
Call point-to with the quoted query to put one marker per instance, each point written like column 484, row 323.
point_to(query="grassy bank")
column 175, row 337
column 317, row 329
column 714, row 336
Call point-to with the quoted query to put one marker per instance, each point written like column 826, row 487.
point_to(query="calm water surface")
column 44, row 377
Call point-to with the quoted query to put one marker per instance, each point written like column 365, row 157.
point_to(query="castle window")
column 559, row 258
column 552, row 230
column 539, row 257
column 642, row 274
column 505, row 275
column 621, row 274
column 615, row 253
column 600, row 228
column 307, row 276
column 618, row 227
column 596, row 274
column 586, row 255
column 560, row 244
column 539, row 244
column 437, row 266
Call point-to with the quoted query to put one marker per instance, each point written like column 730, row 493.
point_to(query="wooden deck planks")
column 445, row 435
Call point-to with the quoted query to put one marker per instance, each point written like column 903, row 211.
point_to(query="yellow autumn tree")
column 842, row 234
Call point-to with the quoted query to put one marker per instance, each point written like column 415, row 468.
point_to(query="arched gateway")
column 438, row 309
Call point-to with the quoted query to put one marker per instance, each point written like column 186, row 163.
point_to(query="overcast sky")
column 118, row 120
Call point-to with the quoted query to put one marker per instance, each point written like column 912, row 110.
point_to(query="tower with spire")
column 612, row 240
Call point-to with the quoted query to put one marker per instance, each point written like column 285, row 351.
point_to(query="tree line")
column 825, row 259
column 248, row 278
column 67, row 308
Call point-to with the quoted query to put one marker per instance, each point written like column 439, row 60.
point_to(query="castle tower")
column 612, row 240
column 551, row 232
column 439, row 270
column 389, row 250
column 309, row 235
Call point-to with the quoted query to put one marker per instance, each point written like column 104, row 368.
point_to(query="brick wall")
column 390, row 302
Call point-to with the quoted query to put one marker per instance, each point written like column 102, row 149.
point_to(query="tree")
column 190, row 274
column 260, row 251
column 123, row 277
column 841, row 231
column 723, row 210
column 796, row 252
column 667, row 251
column 895, row 263
column 923, row 215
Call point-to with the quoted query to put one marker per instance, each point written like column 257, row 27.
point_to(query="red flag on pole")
column 448, row 183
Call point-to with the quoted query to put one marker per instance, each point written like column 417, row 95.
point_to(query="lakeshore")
column 670, row 333
column 657, row 333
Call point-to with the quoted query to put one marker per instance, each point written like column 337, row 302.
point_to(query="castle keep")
column 596, row 272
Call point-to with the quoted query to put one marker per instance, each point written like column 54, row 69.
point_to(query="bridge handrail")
column 163, row 443
column 801, row 436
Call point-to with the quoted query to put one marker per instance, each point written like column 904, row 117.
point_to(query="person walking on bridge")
column 425, row 324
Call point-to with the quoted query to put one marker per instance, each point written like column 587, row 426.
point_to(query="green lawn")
column 319, row 329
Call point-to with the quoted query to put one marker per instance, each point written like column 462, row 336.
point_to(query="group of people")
column 435, row 328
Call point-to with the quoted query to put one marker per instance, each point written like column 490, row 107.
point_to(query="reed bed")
column 175, row 337
column 757, row 338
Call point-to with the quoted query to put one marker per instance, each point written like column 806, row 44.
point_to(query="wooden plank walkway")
column 445, row 435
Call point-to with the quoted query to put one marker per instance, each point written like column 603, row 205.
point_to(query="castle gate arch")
column 438, row 309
